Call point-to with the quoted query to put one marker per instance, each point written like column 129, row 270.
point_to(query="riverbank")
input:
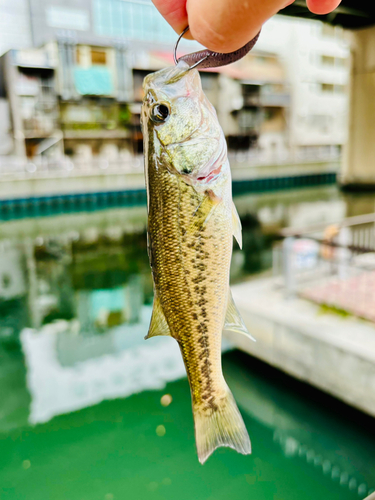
column 39, row 194
column 331, row 352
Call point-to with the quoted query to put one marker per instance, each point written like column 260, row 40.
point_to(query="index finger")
column 175, row 13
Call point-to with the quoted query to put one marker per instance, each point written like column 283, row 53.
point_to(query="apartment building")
column 84, row 101
column 317, row 59
column 289, row 93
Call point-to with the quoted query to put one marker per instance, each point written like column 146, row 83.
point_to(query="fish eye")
column 160, row 113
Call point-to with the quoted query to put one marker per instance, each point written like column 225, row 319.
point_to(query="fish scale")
column 192, row 293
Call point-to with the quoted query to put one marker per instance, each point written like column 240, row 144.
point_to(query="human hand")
column 227, row 25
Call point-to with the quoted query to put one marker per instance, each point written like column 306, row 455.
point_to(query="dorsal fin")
column 158, row 324
column 233, row 320
column 237, row 228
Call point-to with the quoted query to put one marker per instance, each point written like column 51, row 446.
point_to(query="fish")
column 191, row 223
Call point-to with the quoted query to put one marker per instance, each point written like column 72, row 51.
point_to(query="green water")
column 302, row 449
column 80, row 390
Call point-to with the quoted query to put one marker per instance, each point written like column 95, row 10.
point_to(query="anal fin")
column 233, row 320
column 158, row 324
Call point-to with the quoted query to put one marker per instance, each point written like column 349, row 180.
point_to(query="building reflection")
column 67, row 371
column 303, row 431
column 13, row 292
column 76, row 296
column 80, row 305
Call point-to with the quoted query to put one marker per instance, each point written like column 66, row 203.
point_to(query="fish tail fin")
column 220, row 425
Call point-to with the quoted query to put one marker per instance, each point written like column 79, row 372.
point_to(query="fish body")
column 191, row 222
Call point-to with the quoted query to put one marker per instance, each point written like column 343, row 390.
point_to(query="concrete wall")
column 6, row 142
column 333, row 353
column 69, row 183
column 55, row 17
column 15, row 28
column 359, row 157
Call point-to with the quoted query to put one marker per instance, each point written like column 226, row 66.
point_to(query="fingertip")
column 174, row 12
column 322, row 7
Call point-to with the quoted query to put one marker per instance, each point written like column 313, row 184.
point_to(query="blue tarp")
column 93, row 81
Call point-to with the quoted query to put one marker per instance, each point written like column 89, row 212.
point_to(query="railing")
column 13, row 166
column 19, row 167
column 257, row 157
column 274, row 99
column 333, row 266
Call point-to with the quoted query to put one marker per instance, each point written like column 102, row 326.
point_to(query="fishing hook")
column 182, row 58
column 209, row 59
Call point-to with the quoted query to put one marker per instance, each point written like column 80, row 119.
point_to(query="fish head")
column 183, row 125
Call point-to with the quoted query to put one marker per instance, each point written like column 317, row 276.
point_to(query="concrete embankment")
column 46, row 193
column 334, row 353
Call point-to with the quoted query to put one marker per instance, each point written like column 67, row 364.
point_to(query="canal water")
column 89, row 410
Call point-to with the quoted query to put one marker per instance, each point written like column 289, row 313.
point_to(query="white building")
column 15, row 28
column 316, row 57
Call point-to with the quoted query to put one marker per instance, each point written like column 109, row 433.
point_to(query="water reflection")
column 67, row 371
column 86, row 311
column 76, row 292
column 308, row 427
column 75, row 304
column 94, row 268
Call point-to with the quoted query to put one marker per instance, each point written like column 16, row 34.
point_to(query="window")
column 98, row 56
column 250, row 94
column 78, row 56
column 333, row 61
column 330, row 87
column 247, row 120
column 340, row 89
column 270, row 114
column 249, row 90
column 272, row 88
column 327, row 87
column 328, row 60
column 131, row 19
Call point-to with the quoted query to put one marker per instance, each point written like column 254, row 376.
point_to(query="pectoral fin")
column 237, row 228
column 204, row 211
column 233, row 320
column 158, row 325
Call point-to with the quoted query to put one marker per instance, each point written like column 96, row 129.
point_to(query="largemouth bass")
column 191, row 223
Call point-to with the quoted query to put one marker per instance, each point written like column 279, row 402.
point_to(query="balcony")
column 39, row 126
column 268, row 94
column 274, row 100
